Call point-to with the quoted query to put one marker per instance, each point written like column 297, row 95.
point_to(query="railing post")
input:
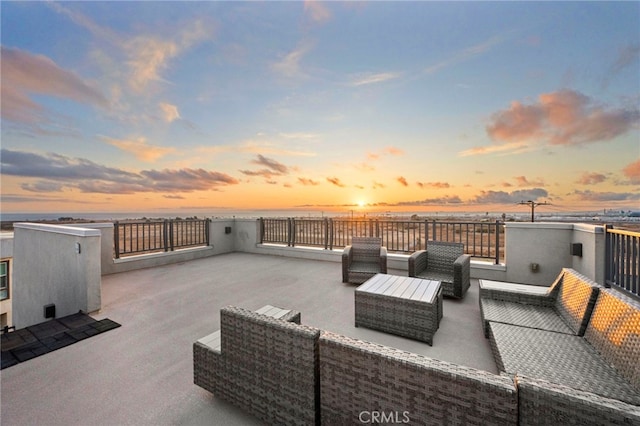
column 261, row 228
column 326, row 233
column 331, row 234
column 497, row 242
column 165, row 235
column 433, row 231
column 207, row 228
column 116, row 238
column 292, row 231
column 608, row 256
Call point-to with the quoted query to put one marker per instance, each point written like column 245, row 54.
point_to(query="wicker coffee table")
column 405, row 306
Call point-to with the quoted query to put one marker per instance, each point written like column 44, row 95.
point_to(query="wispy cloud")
column 289, row 65
column 317, row 11
column 402, row 181
column 465, row 54
column 434, row 185
column 605, row 196
column 591, row 178
column 169, row 112
column 374, row 78
column 437, row 201
column 522, row 181
column 308, row 182
column 272, row 168
column 139, row 147
column 146, row 56
column 512, row 148
column 335, row 181
column 25, row 75
column 87, row 176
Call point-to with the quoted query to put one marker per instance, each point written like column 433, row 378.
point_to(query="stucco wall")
column 549, row 246
column 54, row 264
column 592, row 261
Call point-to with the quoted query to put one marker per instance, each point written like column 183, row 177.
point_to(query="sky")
column 320, row 106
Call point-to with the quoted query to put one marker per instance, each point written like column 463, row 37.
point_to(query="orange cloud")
column 523, row 181
column 336, row 182
column 437, row 185
column 402, row 181
column 139, row 148
column 591, row 178
column 565, row 117
column 632, row 171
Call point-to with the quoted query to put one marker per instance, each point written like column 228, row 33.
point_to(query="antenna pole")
column 533, row 206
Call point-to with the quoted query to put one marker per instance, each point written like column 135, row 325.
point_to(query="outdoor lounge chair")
column 364, row 258
column 444, row 262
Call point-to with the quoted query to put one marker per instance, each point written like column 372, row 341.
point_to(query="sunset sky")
column 323, row 106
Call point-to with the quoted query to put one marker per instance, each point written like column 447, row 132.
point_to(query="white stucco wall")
column 548, row 245
column 54, row 264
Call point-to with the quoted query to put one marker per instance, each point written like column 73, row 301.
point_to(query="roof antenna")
column 533, row 206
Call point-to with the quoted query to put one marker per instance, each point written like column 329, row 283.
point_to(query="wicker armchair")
column 364, row 258
column 444, row 262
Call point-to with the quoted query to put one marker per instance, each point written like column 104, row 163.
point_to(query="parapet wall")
column 57, row 265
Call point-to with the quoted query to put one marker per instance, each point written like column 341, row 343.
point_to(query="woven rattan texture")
column 565, row 308
column 360, row 377
column 409, row 318
column 364, row 258
column 444, row 262
column 575, row 300
column 414, row 319
column 558, row 358
column 266, row 366
column 614, row 331
column 541, row 403
column 531, row 316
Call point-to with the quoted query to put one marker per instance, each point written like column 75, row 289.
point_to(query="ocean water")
column 112, row 216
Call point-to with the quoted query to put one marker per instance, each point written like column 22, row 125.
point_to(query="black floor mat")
column 25, row 344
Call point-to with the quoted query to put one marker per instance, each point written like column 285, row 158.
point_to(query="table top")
column 410, row 288
column 520, row 288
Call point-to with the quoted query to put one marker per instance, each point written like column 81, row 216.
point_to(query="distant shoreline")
column 628, row 221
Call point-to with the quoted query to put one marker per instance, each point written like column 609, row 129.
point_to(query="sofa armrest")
column 417, row 262
column 347, row 256
column 517, row 295
column 383, row 260
column 461, row 275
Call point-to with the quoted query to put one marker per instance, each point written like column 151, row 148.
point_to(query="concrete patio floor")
column 142, row 373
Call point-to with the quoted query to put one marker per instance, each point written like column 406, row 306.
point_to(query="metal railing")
column 150, row 236
column 480, row 239
column 622, row 260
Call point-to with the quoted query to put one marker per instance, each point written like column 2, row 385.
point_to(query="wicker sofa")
column 267, row 366
column 286, row 373
column 564, row 308
column 444, row 262
column 579, row 340
column 365, row 257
